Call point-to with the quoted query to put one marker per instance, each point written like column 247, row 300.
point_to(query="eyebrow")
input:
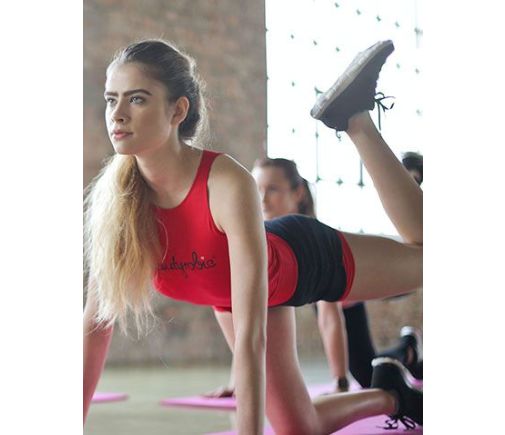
column 127, row 93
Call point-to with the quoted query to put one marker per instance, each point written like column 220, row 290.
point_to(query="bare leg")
column 333, row 333
column 384, row 267
column 298, row 414
column 399, row 193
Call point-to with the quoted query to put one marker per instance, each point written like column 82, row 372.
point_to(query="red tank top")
column 196, row 265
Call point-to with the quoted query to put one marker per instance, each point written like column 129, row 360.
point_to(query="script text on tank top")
column 198, row 262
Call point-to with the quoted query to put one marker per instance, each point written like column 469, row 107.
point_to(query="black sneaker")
column 417, row 370
column 390, row 375
column 354, row 90
column 408, row 351
column 411, row 337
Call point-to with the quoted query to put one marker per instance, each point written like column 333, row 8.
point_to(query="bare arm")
column 96, row 342
column 239, row 215
column 333, row 331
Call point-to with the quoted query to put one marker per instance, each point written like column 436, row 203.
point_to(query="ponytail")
column 306, row 204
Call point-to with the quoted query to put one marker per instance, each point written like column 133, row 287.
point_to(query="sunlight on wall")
column 310, row 42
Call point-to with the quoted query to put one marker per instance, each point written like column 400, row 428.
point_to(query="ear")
column 181, row 107
column 299, row 193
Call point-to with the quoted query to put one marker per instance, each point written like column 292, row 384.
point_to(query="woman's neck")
column 169, row 171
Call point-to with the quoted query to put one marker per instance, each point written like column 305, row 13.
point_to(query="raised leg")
column 344, row 107
column 400, row 195
column 384, row 267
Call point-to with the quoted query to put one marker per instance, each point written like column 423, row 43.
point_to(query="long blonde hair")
column 122, row 247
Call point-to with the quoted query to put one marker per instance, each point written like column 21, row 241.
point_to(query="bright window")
column 309, row 42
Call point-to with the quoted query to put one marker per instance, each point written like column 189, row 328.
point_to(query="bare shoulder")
column 227, row 174
column 233, row 194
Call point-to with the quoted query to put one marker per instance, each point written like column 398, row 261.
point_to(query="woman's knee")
column 298, row 425
column 293, row 429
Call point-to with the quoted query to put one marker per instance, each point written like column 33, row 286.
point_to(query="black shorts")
column 324, row 272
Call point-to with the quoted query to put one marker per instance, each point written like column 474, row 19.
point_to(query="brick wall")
column 226, row 37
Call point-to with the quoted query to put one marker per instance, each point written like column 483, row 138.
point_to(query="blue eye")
column 137, row 100
column 110, row 101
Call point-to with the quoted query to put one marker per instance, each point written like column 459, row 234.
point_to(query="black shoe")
column 411, row 338
column 354, row 90
column 390, row 375
column 417, row 370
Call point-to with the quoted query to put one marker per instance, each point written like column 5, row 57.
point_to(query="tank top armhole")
column 212, row 156
column 221, row 309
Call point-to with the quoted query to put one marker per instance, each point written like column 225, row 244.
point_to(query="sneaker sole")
column 349, row 75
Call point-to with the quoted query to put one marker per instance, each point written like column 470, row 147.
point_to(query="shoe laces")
column 393, row 423
column 382, row 106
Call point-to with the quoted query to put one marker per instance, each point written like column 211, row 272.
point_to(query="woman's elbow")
column 92, row 327
column 253, row 341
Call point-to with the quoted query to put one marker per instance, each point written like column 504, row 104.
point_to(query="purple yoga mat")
column 108, row 397
column 366, row 426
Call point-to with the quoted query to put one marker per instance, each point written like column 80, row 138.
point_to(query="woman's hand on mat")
column 220, row 392
column 341, row 385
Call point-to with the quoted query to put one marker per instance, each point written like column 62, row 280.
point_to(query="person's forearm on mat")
column 96, row 345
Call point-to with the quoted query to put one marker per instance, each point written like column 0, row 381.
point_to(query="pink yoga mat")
column 366, row 426
column 228, row 403
column 108, row 397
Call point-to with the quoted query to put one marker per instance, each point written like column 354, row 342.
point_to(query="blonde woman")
column 284, row 191
column 189, row 221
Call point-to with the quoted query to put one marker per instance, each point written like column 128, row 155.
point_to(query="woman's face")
column 277, row 197
column 138, row 115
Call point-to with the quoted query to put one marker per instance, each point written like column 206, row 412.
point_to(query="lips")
column 120, row 134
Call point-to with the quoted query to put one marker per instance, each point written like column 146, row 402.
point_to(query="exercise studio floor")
column 142, row 414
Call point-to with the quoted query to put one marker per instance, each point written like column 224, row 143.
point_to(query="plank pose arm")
column 96, row 342
column 284, row 191
column 239, row 216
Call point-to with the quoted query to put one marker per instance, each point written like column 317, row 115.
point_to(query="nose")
column 119, row 113
column 263, row 195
